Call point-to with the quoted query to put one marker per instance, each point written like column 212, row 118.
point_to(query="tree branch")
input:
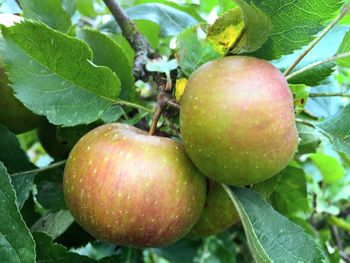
column 324, row 32
column 309, row 114
column 171, row 125
column 339, row 244
column 143, row 51
column 18, row 3
column 137, row 41
column 173, row 104
column 330, row 94
column 305, row 123
column 316, row 64
column 49, row 167
column 132, row 105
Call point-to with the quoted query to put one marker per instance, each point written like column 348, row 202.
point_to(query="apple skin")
column 237, row 120
column 13, row 114
column 132, row 189
column 218, row 215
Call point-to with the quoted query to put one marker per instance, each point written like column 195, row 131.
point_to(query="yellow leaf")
column 180, row 88
column 226, row 30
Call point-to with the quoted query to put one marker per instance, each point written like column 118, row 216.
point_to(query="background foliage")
column 70, row 63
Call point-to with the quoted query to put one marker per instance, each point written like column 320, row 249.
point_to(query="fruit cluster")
column 130, row 188
column 237, row 123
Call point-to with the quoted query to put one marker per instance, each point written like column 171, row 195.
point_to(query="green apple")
column 237, row 120
column 13, row 114
column 218, row 215
column 132, row 189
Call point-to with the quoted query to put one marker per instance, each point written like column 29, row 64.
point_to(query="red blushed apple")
column 237, row 120
column 129, row 188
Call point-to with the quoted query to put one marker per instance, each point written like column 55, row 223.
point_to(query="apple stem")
column 49, row 167
column 156, row 117
column 324, row 32
column 318, row 63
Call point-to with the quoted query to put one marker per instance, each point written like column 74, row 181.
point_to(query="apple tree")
column 174, row 131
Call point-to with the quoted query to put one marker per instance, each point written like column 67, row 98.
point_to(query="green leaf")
column 17, row 244
column 337, row 128
column 310, row 139
column 108, row 53
column 100, row 250
column 268, row 187
column 326, row 48
column 182, row 251
column 86, row 7
column 240, row 30
column 112, row 114
column 50, row 195
column 16, row 161
column 49, row 12
column 324, row 107
column 150, row 30
column 171, row 20
column 300, row 94
column 207, row 6
column 52, row 75
column 53, row 223
column 344, row 47
column 194, row 50
column 258, row 28
column 294, row 23
column 330, row 168
column 290, row 195
column 217, row 249
column 71, row 135
column 186, row 8
column 49, row 252
column 271, row 236
column 50, row 189
column 70, row 6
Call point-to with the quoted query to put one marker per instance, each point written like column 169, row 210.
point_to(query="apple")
column 13, row 114
column 218, row 215
column 132, row 189
column 237, row 120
